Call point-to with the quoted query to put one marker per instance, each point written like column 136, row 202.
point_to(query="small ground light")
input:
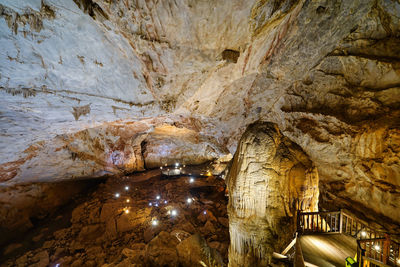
column 191, row 180
column 363, row 234
column 126, row 211
column 161, row 168
column 177, row 164
column 126, row 188
column 154, row 222
column 156, row 205
column 377, row 247
column 165, row 202
column 184, row 165
column 158, row 197
column 117, row 195
column 189, row 200
column 205, row 212
column 150, row 204
column 174, row 212
column 128, row 200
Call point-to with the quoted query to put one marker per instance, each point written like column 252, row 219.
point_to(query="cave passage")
column 234, row 133
column 146, row 212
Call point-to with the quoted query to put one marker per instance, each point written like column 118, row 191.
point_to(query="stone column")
column 270, row 178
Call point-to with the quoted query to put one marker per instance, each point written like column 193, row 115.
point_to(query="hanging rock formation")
column 269, row 179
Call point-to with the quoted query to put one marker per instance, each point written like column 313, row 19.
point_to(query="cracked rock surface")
column 325, row 72
column 101, row 229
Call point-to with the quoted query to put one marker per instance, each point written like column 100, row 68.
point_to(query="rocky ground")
column 137, row 220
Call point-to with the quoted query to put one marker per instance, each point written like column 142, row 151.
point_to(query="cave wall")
column 326, row 72
column 270, row 179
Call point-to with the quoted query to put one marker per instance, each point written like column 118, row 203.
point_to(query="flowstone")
column 270, row 178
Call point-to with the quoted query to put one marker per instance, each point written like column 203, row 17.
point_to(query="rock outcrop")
column 326, row 72
column 103, row 229
column 114, row 149
column 269, row 180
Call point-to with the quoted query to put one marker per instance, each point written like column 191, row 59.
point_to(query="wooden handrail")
column 377, row 244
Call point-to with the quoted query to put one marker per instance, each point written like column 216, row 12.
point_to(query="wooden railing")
column 379, row 251
column 374, row 246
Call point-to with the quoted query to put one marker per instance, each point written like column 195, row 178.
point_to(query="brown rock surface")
column 194, row 251
column 161, row 250
column 102, row 232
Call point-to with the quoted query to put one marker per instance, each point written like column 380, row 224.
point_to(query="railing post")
column 341, row 221
column 386, row 247
column 298, row 221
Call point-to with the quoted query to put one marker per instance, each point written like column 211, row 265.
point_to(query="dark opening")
column 230, row 55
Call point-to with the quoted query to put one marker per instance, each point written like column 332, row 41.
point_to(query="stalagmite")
column 270, row 178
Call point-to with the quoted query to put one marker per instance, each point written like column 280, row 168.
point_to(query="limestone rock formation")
column 194, row 251
column 269, row 180
column 101, row 229
column 113, row 149
column 326, row 72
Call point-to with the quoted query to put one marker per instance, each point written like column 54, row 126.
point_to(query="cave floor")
column 121, row 217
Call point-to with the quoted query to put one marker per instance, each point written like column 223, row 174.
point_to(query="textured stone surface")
column 326, row 72
column 23, row 203
column 194, row 251
column 114, row 149
column 102, row 233
column 269, row 180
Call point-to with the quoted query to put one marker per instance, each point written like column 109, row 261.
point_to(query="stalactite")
column 268, row 175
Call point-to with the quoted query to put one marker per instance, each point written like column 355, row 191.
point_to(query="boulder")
column 161, row 251
column 195, row 252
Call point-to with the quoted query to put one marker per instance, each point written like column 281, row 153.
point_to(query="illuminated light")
column 57, row 265
column 191, row 180
column 177, row 164
column 117, row 195
column 205, row 212
column 165, row 202
column 184, row 165
column 398, row 261
column 363, row 234
column 174, row 213
column 126, row 211
column 180, row 168
column 126, row 188
column 189, row 200
column 158, row 197
column 128, row 200
column 165, row 164
column 150, row 204
column 154, row 222
column 190, row 173
column 161, row 168
column 156, row 205
column 377, row 247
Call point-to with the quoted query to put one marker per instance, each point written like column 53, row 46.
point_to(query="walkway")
column 328, row 238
